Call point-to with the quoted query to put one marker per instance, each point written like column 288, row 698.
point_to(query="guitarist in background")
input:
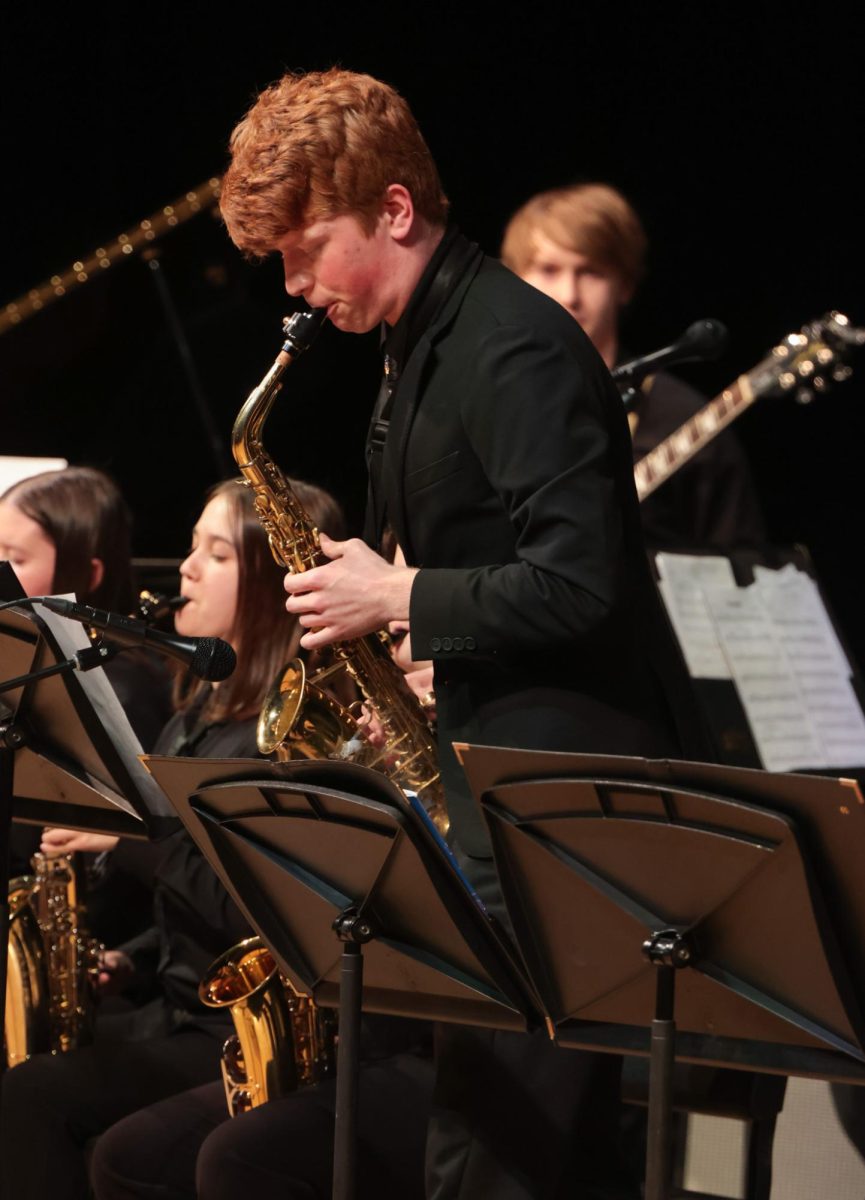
column 585, row 247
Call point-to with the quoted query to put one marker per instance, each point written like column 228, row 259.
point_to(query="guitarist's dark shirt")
column 710, row 502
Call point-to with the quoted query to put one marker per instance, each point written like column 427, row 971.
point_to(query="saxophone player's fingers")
column 305, row 581
column 305, row 603
column 310, row 619
column 332, row 548
column 319, row 637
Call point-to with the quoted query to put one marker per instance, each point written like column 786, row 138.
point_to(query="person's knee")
column 114, row 1162
column 222, row 1169
column 253, row 1155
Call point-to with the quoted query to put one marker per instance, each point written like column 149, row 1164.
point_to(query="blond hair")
column 592, row 219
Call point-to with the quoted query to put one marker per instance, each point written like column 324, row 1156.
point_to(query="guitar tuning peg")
column 804, row 395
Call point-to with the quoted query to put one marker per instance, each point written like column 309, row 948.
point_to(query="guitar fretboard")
column 683, row 443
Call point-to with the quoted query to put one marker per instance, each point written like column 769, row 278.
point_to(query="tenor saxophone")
column 53, row 963
column 282, row 1039
column 298, row 717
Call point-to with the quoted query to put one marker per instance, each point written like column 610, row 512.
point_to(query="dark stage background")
column 736, row 136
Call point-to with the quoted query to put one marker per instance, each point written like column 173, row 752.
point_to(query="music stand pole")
column 354, row 931
column 667, row 950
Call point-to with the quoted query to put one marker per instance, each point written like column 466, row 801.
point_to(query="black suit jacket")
column 507, row 479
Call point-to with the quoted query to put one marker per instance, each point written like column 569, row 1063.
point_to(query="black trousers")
column 514, row 1116
column 187, row 1147
column 53, row 1106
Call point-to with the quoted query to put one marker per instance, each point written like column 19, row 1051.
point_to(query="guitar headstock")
column 810, row 361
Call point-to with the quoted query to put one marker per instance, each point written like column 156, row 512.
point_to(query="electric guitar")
column 804, row 363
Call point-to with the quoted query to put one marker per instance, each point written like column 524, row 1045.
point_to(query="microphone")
column 704, row 341
column 208, row 658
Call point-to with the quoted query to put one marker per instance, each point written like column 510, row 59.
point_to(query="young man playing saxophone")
column 500, row 457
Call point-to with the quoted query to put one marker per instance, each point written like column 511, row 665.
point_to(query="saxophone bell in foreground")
column 300, row 718
column 283, row 1040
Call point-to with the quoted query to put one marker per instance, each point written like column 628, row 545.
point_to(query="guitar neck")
column 681, row 445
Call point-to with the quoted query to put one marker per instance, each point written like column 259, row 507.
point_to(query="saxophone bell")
column 282, row 1039
column 53, row 964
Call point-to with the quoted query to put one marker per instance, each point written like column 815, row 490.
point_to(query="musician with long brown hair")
column 70, row 531
column 59, row 1103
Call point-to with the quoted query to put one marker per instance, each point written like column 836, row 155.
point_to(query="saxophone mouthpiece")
column 153, row 606
column 301, row 328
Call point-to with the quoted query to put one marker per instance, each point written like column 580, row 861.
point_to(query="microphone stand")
column 701, row 342
column 218, row 456
column 84, row 660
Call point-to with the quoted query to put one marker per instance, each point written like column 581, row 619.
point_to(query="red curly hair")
column 319, row 145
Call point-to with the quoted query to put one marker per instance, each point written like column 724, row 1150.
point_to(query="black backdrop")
column 736, row 134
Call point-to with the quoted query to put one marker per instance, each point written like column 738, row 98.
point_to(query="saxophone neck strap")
column 449, row 262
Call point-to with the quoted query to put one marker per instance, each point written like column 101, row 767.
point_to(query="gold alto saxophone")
column 283, row 1040
column 298, row 716
column 53, row 964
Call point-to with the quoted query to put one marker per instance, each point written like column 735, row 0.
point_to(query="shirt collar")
column 399, row 341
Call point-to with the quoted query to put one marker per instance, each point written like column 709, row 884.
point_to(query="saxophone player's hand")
column 67, row 841
column 116, row 969
column 418, row 672
column 354, row 594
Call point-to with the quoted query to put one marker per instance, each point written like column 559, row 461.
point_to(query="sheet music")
column 775, row 640
column 822, row 668
column 684, row 578
column 14, row 468
column 71, row 636
column 766, row 681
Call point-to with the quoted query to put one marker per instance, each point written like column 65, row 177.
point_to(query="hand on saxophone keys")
column 115, row 971
column 354, row 594
column 418, row 672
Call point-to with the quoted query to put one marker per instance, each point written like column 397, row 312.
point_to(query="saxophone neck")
column 246, row 434
column 298, row 333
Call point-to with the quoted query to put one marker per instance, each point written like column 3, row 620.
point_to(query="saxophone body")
column 52, row 963
column 299, row 718
column 282, row 1039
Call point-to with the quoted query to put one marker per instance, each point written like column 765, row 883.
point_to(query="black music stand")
column 75, row 760
column 327, row 857
column 67, row 754
column 619, row 873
